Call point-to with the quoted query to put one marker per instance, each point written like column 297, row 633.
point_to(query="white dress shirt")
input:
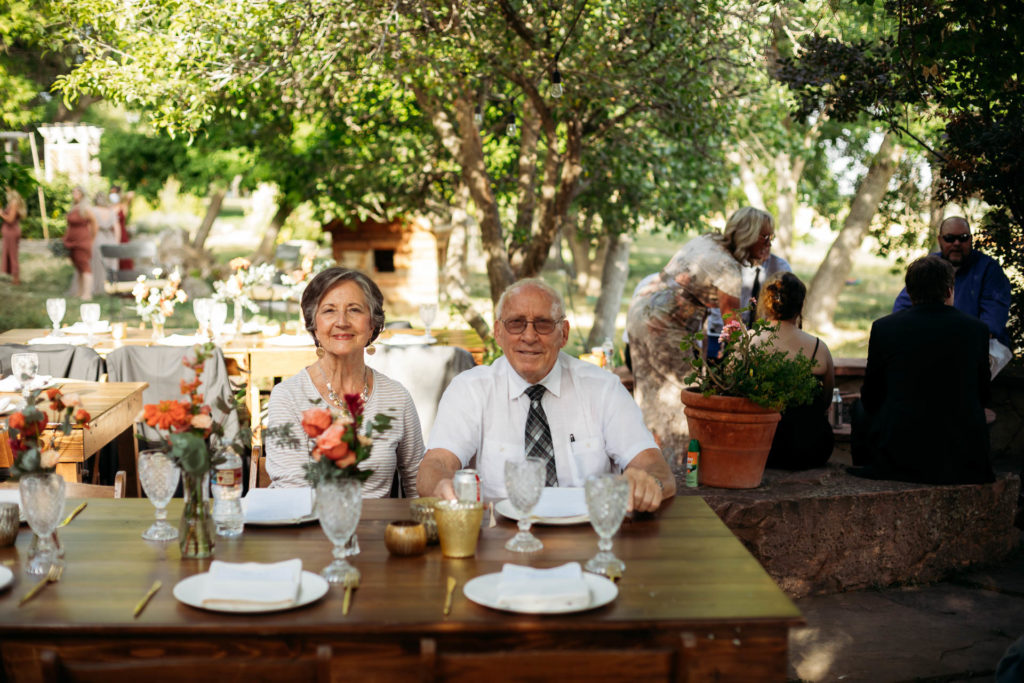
column 596, row 426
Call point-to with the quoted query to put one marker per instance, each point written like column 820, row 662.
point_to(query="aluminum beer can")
column 467, row 486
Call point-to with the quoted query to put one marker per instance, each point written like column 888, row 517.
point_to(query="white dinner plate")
column 6, row 577
column 483, row 590
column 190, row 591
column 305, row 519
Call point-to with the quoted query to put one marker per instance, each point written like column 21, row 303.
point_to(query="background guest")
column 12, row 215
column 122, row 204
column 703, row 274
column 344, row 312
column 753, row 279
column 921, row 416
column 106, row 233
column 78, row 239
column 803, row 438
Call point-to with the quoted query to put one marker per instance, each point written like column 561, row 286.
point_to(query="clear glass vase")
column 42, row 497
column 195, row 532
column 239, row 320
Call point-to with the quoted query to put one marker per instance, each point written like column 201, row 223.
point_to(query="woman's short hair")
column 929, row 280
column 557, row 306
column 782, row 297
column 743, row 230
column 328, row 279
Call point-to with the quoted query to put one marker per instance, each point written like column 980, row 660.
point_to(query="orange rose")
column 331, row 444
column 315, row 421
column 344, row 462
column 52, row 393
column 82, row 416
column 16, row 421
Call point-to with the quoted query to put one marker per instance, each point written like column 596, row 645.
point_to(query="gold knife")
column 448, row 596
column 74, row 513
column 146, row 598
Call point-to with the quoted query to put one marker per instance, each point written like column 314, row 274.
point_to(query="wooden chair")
column 74, row 490
column 258, row 477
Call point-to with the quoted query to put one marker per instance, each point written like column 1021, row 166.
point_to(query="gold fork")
column 448, row 595
column 52, row 576
column 351, row 582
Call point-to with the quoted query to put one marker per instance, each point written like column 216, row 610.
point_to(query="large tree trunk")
column 748, row 178
column 455, row 272
column 265, row 252
column 823, row 295
column 212, row 211
column 613, row 283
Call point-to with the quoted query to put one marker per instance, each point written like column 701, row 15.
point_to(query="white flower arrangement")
column 155, row 304
column 239, row 287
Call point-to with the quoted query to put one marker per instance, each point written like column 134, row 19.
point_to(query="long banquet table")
column 693, row 604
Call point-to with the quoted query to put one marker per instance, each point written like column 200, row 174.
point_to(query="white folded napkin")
column 11, row 383
column 81, row 328
column 183, row 340
column 63, row 339
column 6, row 404
column 274, row 585
column 534, row 590
column 407, row 340
column 290, row 340
column 561, row 502
column 277, row 505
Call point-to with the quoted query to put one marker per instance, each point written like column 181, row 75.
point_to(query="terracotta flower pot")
column 735, row 436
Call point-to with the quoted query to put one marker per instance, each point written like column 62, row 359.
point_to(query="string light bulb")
column 478, row 116
column 556, row 83
column 511, row 129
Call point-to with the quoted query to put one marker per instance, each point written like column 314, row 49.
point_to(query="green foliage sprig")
column 751, row 368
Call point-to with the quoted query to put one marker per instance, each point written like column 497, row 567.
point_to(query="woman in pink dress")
column 13, row 213
column 78, row 239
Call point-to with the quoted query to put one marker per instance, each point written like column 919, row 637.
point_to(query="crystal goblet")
column 42, row 498
column 55, row 309
column 524, row 480
column 607, row 498
column 218, row 317
column 427, row 314
column 159, row 476
column 202, row 309
column 24, row 367
column 339, row 505
column 90, row 316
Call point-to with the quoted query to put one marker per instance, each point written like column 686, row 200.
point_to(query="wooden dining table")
column 692, row 605
column 113, row 407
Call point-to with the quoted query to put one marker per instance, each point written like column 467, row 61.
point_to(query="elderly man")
column 981, row 289
column 921, row 416
column 537, row 401
column 752, row 277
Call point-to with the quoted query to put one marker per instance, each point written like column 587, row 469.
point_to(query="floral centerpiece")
column 187, row 426
column 750, row 367
column 296, row 280
column 733, row 405
column 35, row 452
column 36, row 456
column 155, row 304
column 239, row 287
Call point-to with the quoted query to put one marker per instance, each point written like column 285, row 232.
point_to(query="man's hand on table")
column 645, row 493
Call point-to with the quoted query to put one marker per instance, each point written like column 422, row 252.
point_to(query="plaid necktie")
column 538, row 434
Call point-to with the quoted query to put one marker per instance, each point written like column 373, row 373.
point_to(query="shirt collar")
column 517, row 386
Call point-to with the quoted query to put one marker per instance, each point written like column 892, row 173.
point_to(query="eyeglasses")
column 767, row 239
column 540, row 326
column 949, row 239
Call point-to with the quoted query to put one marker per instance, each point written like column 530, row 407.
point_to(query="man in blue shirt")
column 981, row 289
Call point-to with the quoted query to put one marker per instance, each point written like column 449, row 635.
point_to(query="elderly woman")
column 78, row 239
column 12, row 215
column 344, row 312
column 704, row 274
column 803, row 439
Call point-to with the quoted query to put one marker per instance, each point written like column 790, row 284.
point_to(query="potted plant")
column 733, row 406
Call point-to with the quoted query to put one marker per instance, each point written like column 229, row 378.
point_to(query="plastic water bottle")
column 227, row 494
column 609, row 352
column 836, row 409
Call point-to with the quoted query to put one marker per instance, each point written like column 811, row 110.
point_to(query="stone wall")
column 825, row 531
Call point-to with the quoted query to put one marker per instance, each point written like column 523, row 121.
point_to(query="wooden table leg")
column 128, row 460
column 70, row 472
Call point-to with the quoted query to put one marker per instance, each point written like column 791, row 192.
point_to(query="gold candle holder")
column 405, row 537
column 422, row 510
column 458, row 525
column 117, row 331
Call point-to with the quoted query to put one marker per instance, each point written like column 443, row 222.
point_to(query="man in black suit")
column 921, row 415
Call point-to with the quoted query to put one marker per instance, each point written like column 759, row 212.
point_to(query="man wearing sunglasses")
column 981, row 288
column 536, row 401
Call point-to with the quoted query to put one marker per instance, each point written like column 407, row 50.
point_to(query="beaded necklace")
column 332, row 395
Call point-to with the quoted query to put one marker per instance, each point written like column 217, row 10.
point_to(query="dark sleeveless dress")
column 803, row 440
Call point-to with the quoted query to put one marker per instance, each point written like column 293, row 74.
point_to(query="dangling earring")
column 320, row 351
column 370, row 350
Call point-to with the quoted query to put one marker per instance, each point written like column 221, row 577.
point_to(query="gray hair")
column 328, row 279
column 743, row 230
column 557, row 306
